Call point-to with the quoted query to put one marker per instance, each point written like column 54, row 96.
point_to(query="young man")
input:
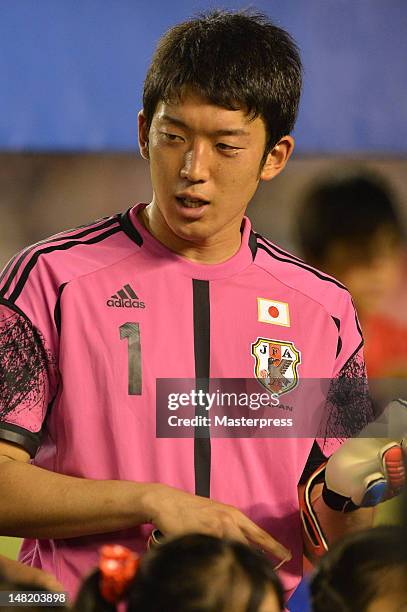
column 181, row 288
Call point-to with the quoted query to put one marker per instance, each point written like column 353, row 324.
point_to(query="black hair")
column 349, row 209
column 357, row 570
column 238, row 60
column 89, row 597
column 192, row 573
column 202, row 573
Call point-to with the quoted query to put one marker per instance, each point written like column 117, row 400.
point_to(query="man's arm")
column 317, row 516
column 334, row 524
column 362, row 473
column 37, row 503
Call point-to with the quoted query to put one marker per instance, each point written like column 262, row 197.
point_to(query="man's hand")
column 364, row 472
column 370, row 468
column 79, row 506
column 176, row 512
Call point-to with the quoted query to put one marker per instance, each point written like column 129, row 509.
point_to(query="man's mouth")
column 191, row 202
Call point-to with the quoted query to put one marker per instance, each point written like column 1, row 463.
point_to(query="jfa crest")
column 276, row 364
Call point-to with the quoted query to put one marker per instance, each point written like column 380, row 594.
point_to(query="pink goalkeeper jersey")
column 90, row 318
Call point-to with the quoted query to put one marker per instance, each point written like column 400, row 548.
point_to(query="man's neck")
column 217, row 249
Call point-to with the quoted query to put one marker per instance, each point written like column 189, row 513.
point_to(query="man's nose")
column 196, row 164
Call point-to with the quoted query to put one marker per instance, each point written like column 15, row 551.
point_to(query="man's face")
column 205, row 163
column 371, row 273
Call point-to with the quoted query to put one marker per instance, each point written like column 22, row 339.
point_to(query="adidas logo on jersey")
column 125, row 298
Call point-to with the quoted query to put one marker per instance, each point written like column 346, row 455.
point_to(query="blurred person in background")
column 190, row 573
column 19, row 572
column 348, row 226
column 364, row 572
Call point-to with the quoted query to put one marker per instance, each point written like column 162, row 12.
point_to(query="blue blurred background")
column 71, row 71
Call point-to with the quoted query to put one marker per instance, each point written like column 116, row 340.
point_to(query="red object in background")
column 117, row 566
column 385, row 347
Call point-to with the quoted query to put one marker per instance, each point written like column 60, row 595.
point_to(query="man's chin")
column 195, row 236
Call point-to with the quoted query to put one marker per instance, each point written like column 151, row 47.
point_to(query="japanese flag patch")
column 271, row 311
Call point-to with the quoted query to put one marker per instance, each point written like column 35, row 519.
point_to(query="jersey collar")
column 241, row 260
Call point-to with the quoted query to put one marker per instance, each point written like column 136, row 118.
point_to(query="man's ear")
column 277, row 158
column 143, row 135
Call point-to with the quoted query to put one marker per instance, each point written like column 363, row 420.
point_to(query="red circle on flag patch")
column 274, row 312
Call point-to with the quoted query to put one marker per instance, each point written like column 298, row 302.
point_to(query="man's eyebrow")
column 173, row 120
column 181, row 124
column 235, row 132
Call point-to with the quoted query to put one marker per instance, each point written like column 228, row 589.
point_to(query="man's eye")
column 172, row 137
column 225, row 147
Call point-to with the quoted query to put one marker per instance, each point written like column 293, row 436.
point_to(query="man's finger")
column 258, row 536
column 234, row 533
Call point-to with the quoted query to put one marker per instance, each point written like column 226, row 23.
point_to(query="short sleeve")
column 27, row 378
column 349, row 353
column 349, row 407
